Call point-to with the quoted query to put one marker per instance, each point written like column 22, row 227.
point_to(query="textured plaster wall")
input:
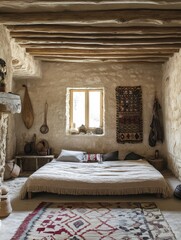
column 56, row 77
column 5, row 53
column 23, row 63
column 3, row 136
column 172, row 111
column 8, row 52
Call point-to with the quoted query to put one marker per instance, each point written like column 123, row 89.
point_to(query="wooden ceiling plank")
column 57, row 51
column 113, row 56
column 64, row 5
column 106, row 42
column 50, row 28
column 161, row 60
column 175, row 46
column 106, row 18
column 89, row 36
column 95, row 2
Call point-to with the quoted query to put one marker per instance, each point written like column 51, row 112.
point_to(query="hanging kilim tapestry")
column 129, row 114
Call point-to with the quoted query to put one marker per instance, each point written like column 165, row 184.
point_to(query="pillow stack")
column 80, row 156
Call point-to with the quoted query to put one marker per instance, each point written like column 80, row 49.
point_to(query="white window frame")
column 86, row 91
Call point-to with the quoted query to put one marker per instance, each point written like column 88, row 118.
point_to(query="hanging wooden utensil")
column 27, row 110
column 44, row 128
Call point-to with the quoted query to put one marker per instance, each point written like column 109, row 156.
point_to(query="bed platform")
column 109, row 178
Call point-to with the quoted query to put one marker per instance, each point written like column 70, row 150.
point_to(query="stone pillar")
column 3, row 136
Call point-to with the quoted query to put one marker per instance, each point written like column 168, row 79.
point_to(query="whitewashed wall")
column 56, row 77
column 5, row 54
column 172, row 111
column 7, row 123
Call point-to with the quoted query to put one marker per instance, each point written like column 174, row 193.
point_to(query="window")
column 86, row 107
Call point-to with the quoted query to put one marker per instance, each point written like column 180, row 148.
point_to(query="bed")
column 108, row 178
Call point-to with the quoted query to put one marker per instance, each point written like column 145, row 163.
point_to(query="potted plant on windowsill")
column 2, row 75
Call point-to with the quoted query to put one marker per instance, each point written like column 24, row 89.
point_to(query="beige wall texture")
column 56, row 77
column 5, row 54
column 172, row 112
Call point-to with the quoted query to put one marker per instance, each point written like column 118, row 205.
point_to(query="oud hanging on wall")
column 27, row 110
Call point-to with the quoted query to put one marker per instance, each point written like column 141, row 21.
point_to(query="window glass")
column 94, row 109
column 78, row 109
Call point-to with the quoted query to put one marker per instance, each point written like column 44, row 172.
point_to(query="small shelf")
column 20, row 160
column 10, row 103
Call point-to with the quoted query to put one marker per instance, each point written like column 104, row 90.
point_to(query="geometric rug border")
column 128, row 219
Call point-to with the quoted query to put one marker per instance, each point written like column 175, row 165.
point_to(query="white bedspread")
column 108, row 178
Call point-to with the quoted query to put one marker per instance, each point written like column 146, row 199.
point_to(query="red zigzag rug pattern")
column 99, row 221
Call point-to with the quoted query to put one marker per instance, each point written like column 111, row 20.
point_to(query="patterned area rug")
column 129, row 114
column 88, row 221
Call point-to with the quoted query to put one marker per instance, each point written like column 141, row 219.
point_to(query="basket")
column 5, row 207
column 12, row 170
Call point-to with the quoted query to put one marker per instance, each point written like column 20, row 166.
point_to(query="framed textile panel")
column 129, row 123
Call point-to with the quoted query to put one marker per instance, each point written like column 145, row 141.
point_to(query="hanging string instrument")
column 27, row 110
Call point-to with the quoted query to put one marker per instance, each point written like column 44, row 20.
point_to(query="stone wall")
column 56, row 77
column 172, row 111
column 23, row 63
column 5, row 54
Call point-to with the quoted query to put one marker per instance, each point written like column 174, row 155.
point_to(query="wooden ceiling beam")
column 85, row 5
column 107, row 42
column 104, row 18
column 105, row 56
column 90, row 36
column 93, row 30
column 102, row 47
column 57, row 51
column 84, row 2
column 136, row 60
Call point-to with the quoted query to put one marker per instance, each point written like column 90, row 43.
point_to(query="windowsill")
column 85, row 135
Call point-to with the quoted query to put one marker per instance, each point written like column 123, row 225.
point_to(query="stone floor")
column 171, row 208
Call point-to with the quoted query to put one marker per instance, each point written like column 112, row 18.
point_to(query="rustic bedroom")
column 90, row 120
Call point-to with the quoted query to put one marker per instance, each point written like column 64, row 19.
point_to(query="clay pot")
column 82, row 129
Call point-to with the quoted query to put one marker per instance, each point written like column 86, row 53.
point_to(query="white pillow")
column 71, row 156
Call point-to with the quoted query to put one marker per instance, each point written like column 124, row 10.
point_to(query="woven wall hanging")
column 129, row 121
